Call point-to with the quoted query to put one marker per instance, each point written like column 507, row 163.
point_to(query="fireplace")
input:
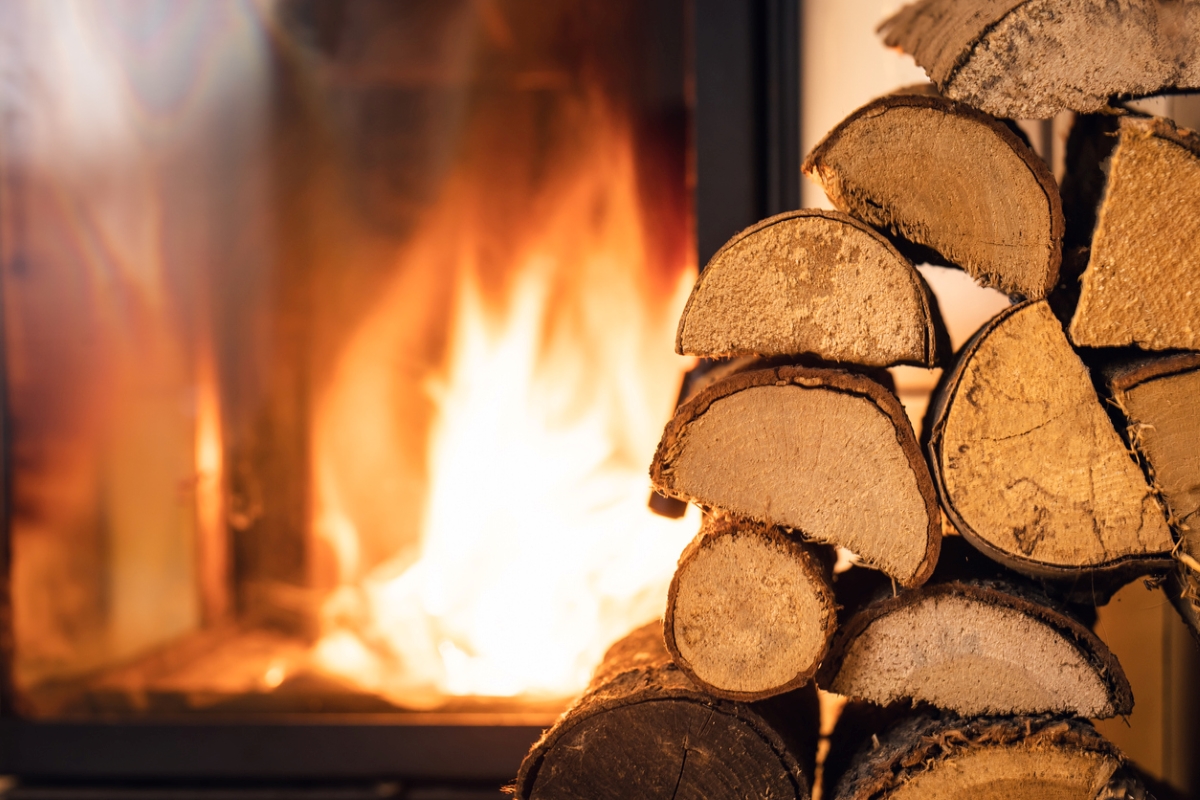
column 337, row 339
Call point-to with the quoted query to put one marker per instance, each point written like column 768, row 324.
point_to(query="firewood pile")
column 1056, row 463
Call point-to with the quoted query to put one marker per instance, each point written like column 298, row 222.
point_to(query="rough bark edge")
column 919, row 744
column 814, row 567
column 897, row 31
column 638, row 670
column 1111, row 575
column 662, row 473
column 1094, row 651
column 937, row 340
column 1041, row 172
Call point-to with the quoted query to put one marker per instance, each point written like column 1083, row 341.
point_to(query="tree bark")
column 643, row 730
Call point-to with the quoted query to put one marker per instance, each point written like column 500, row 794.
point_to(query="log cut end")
column 814, row 282
column 1160, row 401
column 1143, row 274
column 946, row 177
column 643, row 730
column 975, row 650
column 750, row 612
column 1030, row 59
column 1030, row 467
column 826, row 452
column 986, row 758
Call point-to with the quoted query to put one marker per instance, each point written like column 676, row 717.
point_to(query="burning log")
column 750, row 612
column 827, row 452
column 1031, row 60
column 974, row 641
column 1144, row 270
column 899, row 163
column 1160, row 401
column 643, row 730
column 926, row 755
column 1029, row 466
column 815, row 282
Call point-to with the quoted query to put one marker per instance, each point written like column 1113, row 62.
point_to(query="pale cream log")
column 1031, row 469
column 1142, row 282
column 812, row 281
column 827, row 452
column 750, row 612
column 1160, row 400
column 1030, row 59
column 985, row 758
column 946, row 177
column 975, row 648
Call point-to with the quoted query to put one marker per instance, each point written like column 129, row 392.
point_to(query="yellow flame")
column 537, row 549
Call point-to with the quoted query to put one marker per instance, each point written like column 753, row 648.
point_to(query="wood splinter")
column 642, row 730
column 812, row 282
column 750, row 612
column 823, row 451
column 950, row 179
column 1030, row 468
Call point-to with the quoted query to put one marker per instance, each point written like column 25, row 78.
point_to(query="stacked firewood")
column 1057, row 462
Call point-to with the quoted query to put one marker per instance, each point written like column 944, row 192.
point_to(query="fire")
column 537, row 549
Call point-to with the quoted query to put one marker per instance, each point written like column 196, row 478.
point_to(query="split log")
column 817, row 282
column 643, row 730
column 1142, row 282
column 750, row 612
column 824, row 451
column 1030, row 60
column 932, row 757
column 1029, row 466
column 943, row 176
column 1160, row 401
column 975, row 646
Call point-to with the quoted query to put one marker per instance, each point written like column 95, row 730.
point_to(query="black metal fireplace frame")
column 745, row 57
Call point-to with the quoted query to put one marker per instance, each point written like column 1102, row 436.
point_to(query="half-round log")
column 827, row 452
column 812, row 282
column 943, row 176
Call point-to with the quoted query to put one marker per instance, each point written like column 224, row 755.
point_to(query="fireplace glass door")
column 338, row 336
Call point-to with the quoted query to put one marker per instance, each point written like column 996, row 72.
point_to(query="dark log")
column 643, row 730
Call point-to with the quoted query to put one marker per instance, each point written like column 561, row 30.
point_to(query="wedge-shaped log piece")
column 975, row 648
column 827, row 452
column 643, row 730
column 1160, row 400
column 948, row 178
column 929, row 758
column 816, row 282
column 1030, row 59
column 1142, row 282
column 1031, row 469
column 750, row 612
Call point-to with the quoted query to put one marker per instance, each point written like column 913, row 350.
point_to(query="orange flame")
column 537, row 549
